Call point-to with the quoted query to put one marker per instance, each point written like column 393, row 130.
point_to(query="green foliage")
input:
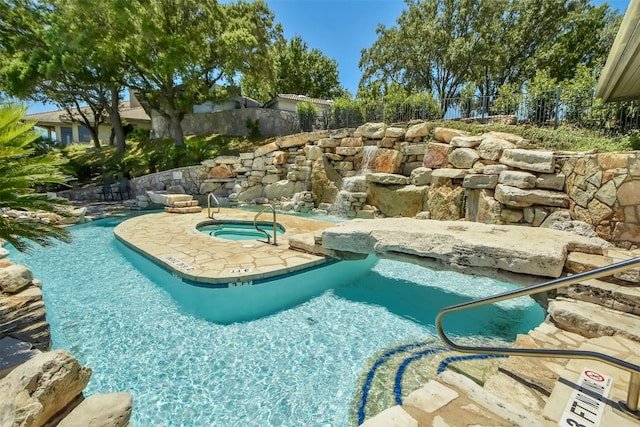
column 298, row 70
column 541, row 98
column 567, row 138
column 20, row 172
column 487, row 44
column 254, row 128
column 307, row 115
column 508, row 100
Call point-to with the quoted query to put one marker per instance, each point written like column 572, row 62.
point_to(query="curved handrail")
column 209, row 197
column 633, row 393
column 275, row 224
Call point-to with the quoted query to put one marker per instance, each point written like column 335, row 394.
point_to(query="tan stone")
column 466, row 141
column 419, row 130
column 436, row 155
column 480, row 181
column 446, row 203
column 348, row 151
column 387, row 161
column 492, row 148
column 387, row 179
column 431, row 397
column 548, row 181
column 328, row 143
column 280, row 157
column 395, row 132
column 40, row 388
column 489, row 209
column 421, row 176
column 463, row 158
column 531, row 160
column 393, row 201
column 351, row 142
column 511, row 216
column 517, row 179
column 516, row 197
column 629, row 193
column 290, row 141
column 598, row 211
column 624, row 232
column 265, row 149
column 445, row 135
column 100, row 410
column 613, row 160
column 325, row 181
column 220, row 172
column 391, row 417
column 14, row 278
column 371, row 130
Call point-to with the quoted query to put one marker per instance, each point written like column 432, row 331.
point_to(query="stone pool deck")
column 174, row 242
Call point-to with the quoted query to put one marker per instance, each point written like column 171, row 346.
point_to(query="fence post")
column 557, row 109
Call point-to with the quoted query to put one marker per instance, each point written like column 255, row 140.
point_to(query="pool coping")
column 173, row 242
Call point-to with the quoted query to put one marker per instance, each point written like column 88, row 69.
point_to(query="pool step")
column 185, row 210
column 183, row 205
column 523, row 391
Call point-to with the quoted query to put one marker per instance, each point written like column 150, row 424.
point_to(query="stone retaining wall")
column 441, row 173
column 418, row 171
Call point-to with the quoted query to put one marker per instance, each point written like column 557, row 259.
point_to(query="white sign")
column 177, row 175
column 588, row 401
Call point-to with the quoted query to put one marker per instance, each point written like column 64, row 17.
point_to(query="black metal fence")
column 575, row 107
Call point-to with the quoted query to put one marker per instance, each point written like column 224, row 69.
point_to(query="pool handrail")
column 209, row 197
column 633, row 393
column 275, row 224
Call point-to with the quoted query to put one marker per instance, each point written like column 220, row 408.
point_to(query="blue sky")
column 340, row 29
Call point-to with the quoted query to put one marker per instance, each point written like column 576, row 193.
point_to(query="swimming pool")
column 298, row 366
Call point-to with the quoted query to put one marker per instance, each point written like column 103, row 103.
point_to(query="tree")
column 306, row 72
column 441, row 62
column 177, row 51
column 58, row 52
column 486, row 43
column 20, row 171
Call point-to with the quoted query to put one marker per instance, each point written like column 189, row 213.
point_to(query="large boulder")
column 491, row 148
column 394, row 200
column 325, row 181
column 436, row 155
column 519, row 198
column 387, row 161
column 23, row 316
column 418, row 131
column 40, row 388
column 371, row 130
column 467, row 246
column 445, row 135
column 283, row 189
column 463, row 158
column 446, row 203
column 101, row 410
column 14, row 278
column 531, row 160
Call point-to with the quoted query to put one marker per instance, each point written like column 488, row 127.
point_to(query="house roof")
column 620, row 77
column 297, row 98
column 56, row 117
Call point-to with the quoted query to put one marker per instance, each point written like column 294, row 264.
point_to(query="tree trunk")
column 116, row 121
column 175, row 117
column 95, row 137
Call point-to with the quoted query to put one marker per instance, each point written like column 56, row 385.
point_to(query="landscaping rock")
column 40, row 388
column 517, row 179
column 100, row 410
column 463, row 158
column 436, row 155
column 371, row 130
column 393, row 200
column 466, row 141
column 421, row 176
column 532, row 160
column 519, row 198
column 14, row 278
column 419, row 130
column 387, row 179
column 492, row 148
column 445, row 135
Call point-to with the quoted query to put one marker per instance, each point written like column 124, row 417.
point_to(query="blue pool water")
column 297, row 366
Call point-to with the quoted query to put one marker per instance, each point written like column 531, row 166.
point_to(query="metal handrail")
column 633, row 393
column 275, row 224
column 209, row 197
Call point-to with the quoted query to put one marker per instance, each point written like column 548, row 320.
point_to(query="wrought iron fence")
column 576, row 107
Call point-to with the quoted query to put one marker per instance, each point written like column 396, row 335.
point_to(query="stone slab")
column 539, row 252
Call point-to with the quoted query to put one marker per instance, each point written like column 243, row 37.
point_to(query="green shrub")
column 307, row 115
column 253, row 126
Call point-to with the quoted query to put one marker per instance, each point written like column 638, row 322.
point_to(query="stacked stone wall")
column 440, row 173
